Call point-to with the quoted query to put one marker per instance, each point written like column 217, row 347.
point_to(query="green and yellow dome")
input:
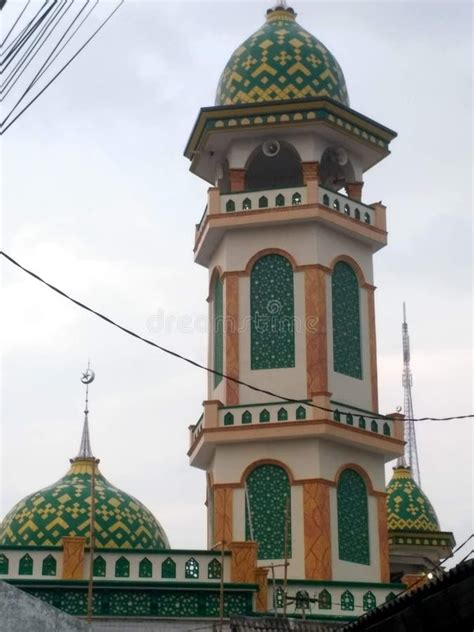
column 63, row 509
column 408, row 508
column 281, row 61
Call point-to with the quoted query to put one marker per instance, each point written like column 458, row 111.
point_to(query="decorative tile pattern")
column 25, row 567
column 145, row 568
column 347, row 600
column 325, row 600
column 268, row 490
column 352, row 518
column 346, row 321
column 99, row 567
column 218, row 306
column 191, row 569
column 62, row 509
column 122, row 567
column 281, row 61
column 168, row 569
column 272, row 313
column 49, row 566
column 368, row 601
column 408, row 507
column 214, row 569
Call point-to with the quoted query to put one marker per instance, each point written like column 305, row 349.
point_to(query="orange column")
column 261, row 578
column 231, row 326
column 383, row 538
column 317, row 530
column 372, row 346
column 244, row 562
column 223, row 514
column 73, row 557
column 316, row 331
column 237, row 179
column 354, row 190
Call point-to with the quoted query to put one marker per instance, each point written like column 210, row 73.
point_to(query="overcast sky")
column 97, row 198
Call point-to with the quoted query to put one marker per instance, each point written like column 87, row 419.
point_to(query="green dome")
column 408, row 509
column 62, row 509
column 281, row 61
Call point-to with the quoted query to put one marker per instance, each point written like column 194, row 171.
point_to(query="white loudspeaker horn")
column 271, row 148
column 341, row 156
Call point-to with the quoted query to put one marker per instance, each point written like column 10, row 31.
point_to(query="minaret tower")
column 289, row 245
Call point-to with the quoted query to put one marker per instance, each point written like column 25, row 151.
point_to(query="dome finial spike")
column 85, row 450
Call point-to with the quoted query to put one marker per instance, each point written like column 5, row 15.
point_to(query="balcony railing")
column 347, row 206
column 257, row 200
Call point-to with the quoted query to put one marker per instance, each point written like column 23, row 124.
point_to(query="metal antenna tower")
column 411, row 453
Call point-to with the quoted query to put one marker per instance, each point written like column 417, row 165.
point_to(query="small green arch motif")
column 386, row 429
column 302, row 601
column 362, row 423
column 247, row 417
column 168, row 569
column 230, row 206
column 366, row 218
column 357, row 213
column 280, row 200
column 264, row 416
column 300, row 413
column 325, row 600
column 49, row 566
column 99, row 567
column 337, row 415
column 191, row 569
column 263, row 202
column 347, row 210
column 347, row 600
column 282, row 414
column 25, row 567
column 122, row 567
column 280, row 597
column 4, row 564
column 296, row 199
column 368, row 601
column 145, row 568
column 214, row 569
column 247, row 204
column 228, row 419
column 336, row 205
column 326, row 201
column 374, row 426
column 391, row 596
column 349, row 419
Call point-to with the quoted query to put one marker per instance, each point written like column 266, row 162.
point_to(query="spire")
column 281, row 10
column 85, row 451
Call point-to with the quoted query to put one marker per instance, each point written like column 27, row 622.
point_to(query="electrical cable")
column 4, row 41
column 196, row 364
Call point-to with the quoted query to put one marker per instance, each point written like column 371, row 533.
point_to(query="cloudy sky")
column 97, row 198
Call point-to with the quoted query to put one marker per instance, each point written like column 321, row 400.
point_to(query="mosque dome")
column 408, row 508
column 62, row 509
column 281, row 61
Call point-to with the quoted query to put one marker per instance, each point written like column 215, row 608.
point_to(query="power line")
column 198, row 365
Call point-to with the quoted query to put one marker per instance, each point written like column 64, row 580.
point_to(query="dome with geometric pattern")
column 281, row 61
column 63, row 509
column 408, row 508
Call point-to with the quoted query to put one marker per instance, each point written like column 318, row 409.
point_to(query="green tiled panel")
column 346, row 321
column 218, row 329
column 353, row 518
column 272, row 313
column 268, row 489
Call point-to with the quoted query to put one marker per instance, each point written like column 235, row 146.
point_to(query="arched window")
column 263, row 202
column 352, row 518
column 191, row 569
column 272, row 313
column 168, row 569
column 4, row 564
column 374, row 426
column 282, row 414
column 302, row 601
column 300, row 413
column 386, row 429
column 230, row 206
column 357, row 213
column 391, row 596
column 347, row 210
column 218, row 326
column 368, row 601
column 247, row 417
column 325, row 600
column 337, row 415
column 280, row 200
column 214, row 569
column 280, row 170
column 346, row 321
column 145, row 568
column 228, row 419
column 264, row 416
column 336, row 205
column 122, row 567
column 296, row 199
column 99, row 567
column 366, row 218
column 267, row 503
column 326, row 201
column 49, row 566
column 362, row 423
column 347, row 600
column 25, row 566
column 247, row 204
column 349, row 419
